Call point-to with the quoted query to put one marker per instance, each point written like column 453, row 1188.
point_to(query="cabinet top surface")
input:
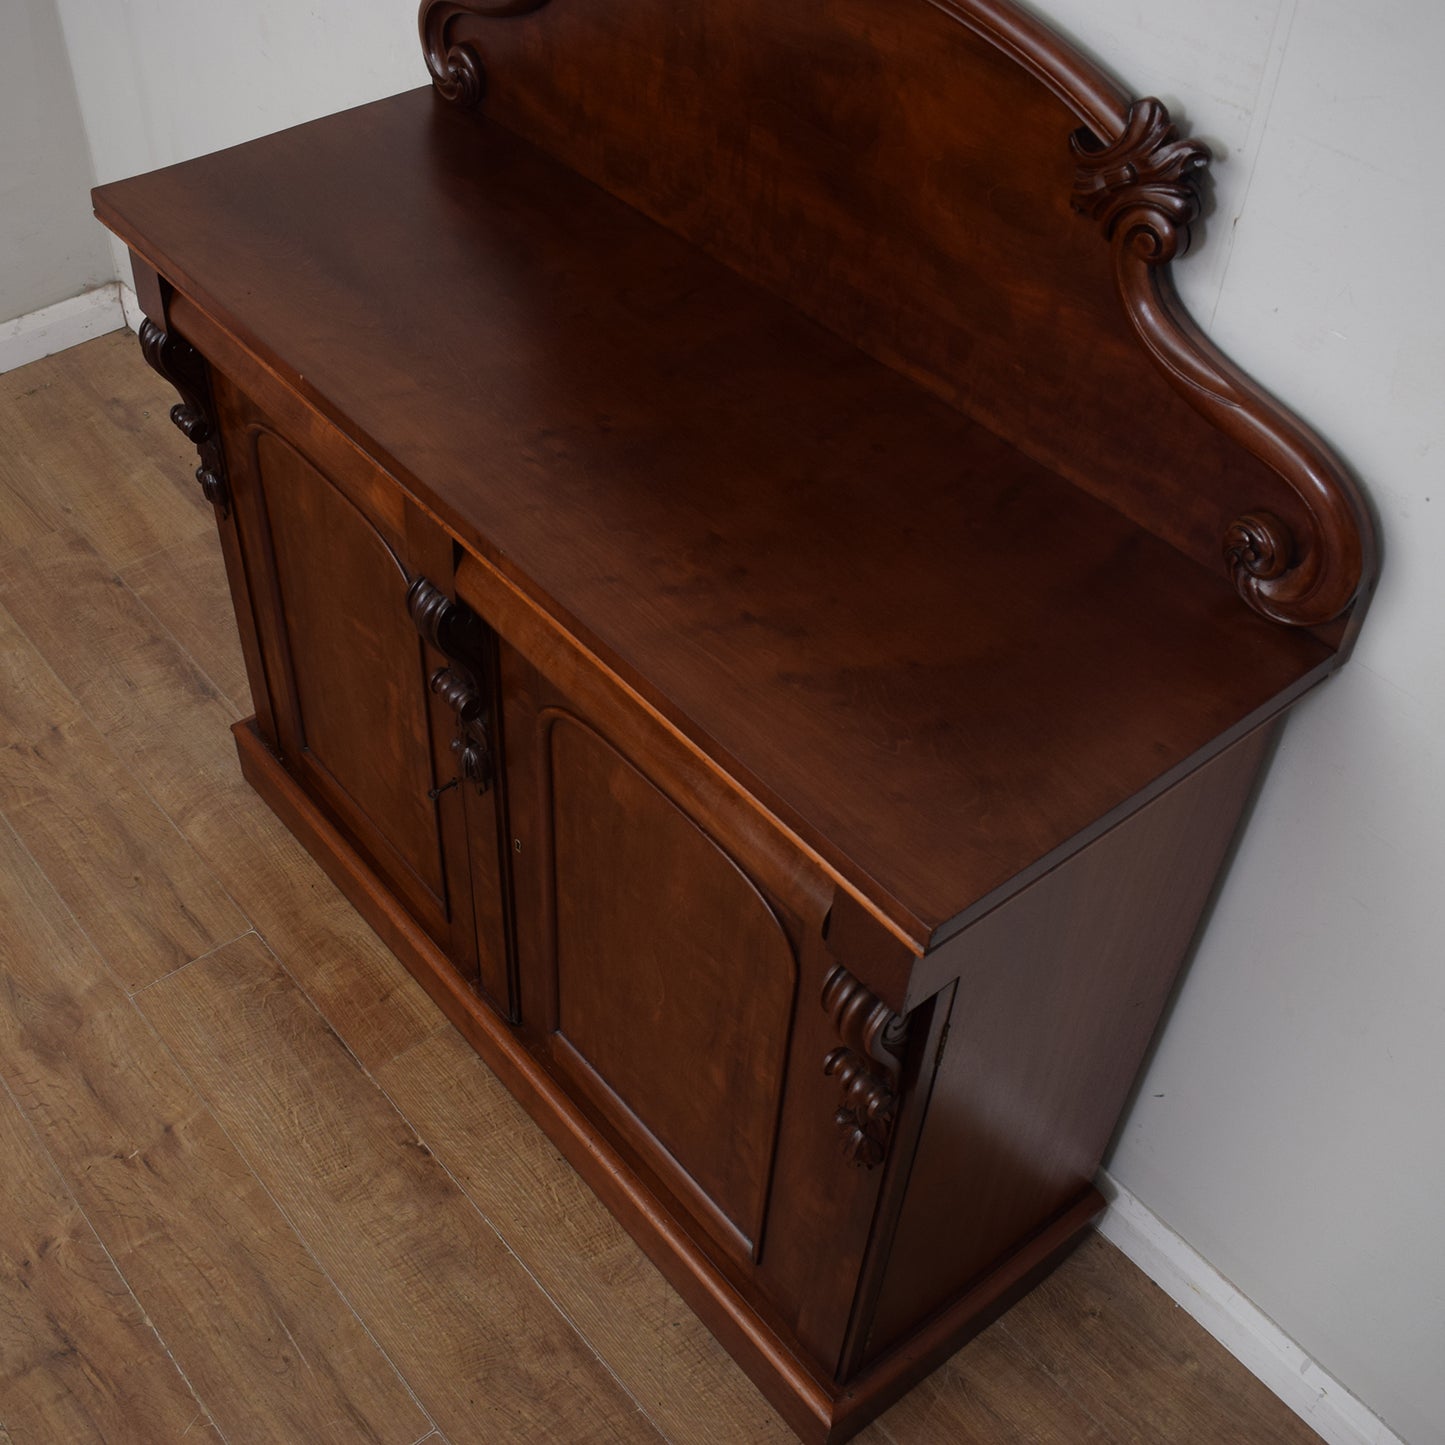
column 929, row 656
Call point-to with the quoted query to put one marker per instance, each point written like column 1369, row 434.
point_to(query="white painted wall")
column 49, row 247
column 1292, row 1124
column 164, row 80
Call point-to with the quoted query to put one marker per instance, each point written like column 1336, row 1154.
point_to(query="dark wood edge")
column 456, row 68
column 927, row 1027
column 938, row 965
column 1142, row 186
column 817, row 1410
column 257, row 372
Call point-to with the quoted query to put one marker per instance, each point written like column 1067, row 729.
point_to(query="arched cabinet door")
column 334, row 559
column 672, row 975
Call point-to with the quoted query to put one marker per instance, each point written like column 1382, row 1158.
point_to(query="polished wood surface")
column 702, row 484
column 233, row 1287
column 669, row 967
column 920, row 177
column 797, row 756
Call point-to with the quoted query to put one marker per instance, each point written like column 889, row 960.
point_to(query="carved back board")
column 949, row 186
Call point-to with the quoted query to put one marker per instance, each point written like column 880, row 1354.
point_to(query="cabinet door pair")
column 660, row 950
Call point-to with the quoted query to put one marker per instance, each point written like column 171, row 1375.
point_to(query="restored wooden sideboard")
column 757, row 590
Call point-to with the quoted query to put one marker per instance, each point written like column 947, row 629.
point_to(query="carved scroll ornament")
column 456, row 68
column 866, row 1064
column 1143, row 189
column 457, row 632
column 184, row 367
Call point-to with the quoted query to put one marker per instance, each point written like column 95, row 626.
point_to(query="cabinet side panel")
column 1060, row 991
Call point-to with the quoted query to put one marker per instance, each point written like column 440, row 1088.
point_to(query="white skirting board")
column 1246, row 1332
column 131, row 307
column 66, row 324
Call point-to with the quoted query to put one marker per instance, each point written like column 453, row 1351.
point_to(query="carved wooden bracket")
column 185, row 368
column 458, row 633
column 456, row 68
column 867, row 1065
column 1143, row 187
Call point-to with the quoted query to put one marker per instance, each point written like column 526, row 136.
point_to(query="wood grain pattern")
column 184, row 587
column 79, row 1361
column 576, row 1251
column 127, row 496
column 1059, row 992
column 438, row 1289
column 783, row 468
column 1107, row 1335
column 163, row 719
column 259, row 1330
column 145, row 899
column 668, row 964
column 155, row 708
column 1143, row 1368
column 993, row 1392
column 828, row 196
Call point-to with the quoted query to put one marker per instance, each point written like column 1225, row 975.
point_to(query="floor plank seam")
column 230, row 704
column 542, row 1289
column 1031, row 1353
column 204, row 1103
column 200, row 957
column 460, row 1188
column 44, row 1150
column 123, row 763
column 284, row 1213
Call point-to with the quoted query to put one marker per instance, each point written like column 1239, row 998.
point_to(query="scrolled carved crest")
column 1143, row 188
column 174, row 358
column 456, row 68
column 866, row 1063
column 1145, row 185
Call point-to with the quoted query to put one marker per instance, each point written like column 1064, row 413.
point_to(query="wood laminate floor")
column 251, row 1185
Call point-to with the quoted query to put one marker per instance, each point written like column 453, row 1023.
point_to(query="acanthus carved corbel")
column 1143, row 187
column 458, row 634
column 456, row 68
column 184, row 367
column 867, row 1064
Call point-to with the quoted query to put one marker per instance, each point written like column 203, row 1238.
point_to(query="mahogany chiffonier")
column 755, row 587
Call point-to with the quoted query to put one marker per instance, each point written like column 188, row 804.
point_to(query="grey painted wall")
column 50, row 247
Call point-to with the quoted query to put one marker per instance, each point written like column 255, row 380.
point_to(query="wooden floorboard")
column 574, row 1248
column 158, row 710
column 274, row 1165
column 188, row 596
column 488, row 1353
column 264, row 1337
column 78, row 1361
column 136, row 886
